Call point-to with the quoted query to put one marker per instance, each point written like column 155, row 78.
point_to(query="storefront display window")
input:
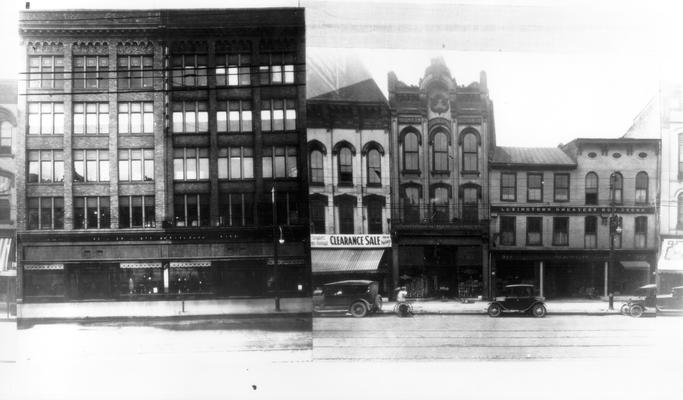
column 141, row 279
column 185, row 279
column 43, row 283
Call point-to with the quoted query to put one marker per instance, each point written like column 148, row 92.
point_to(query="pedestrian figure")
column 402, row 308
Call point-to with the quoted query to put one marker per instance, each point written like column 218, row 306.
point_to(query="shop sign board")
column 571, row 210
column 350, row 241
column 671, row 256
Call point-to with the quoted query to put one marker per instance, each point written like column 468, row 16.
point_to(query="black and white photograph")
column 315, row 199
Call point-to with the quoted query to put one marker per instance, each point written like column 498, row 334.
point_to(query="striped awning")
column 356, row 260
column 190, row 264
column 5, row 251
column 140, row 265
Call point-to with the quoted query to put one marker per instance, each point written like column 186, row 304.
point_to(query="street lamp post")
column 276, row 241
column 615, row 229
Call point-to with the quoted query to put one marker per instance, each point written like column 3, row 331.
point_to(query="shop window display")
column 191, row 280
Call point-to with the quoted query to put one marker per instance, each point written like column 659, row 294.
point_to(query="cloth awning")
column 5, row 251
column 635, row 264
column 356, row 260
column 671, row 256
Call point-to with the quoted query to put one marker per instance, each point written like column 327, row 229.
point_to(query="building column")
column 540, row 278
column 394, row 267
column 606, row 291
column 485, row 270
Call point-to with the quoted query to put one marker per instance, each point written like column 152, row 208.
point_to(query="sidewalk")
column 560, row 307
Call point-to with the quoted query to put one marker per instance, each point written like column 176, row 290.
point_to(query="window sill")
column 411, row 172
column 440, row 172
column 373, row 185
column 347, row 185
column 45, row 183
column 509, row 200
column 561, row 201
column 317, row 184
column 469, row 173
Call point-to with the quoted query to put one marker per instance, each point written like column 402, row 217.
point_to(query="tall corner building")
column 161, row 158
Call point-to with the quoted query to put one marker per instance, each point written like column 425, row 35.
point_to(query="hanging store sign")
column 140, row 265
column 191, row 264
column 349, row 241
column 571, row 210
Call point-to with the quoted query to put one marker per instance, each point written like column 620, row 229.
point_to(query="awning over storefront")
column 5, row 251
column 635, row 264
column 335, row 260
column 43, row 267
column 140, row 265
column 671, row 256
column 190, row 264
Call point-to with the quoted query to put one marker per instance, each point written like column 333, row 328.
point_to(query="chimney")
column 482, row 82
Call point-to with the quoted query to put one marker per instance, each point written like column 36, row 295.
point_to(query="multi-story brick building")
column 162, row 158
column 8, row 212
column 441, row 137
column 349, row 182
column 662, row 118
column 554, row 212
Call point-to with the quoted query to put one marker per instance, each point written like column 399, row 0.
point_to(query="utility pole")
column 615, row 229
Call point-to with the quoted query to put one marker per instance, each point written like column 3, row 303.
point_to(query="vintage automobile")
column 665, row 303
column 357, row 297
column 518, row 298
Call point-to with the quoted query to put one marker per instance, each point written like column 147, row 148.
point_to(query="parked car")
column 648, row 299
column 358, row 297
column 518, row 298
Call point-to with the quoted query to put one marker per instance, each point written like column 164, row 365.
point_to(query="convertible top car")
column 358, row 297
column 663, row 303
column 518, row 298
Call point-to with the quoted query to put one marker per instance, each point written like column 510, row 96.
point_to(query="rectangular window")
column 45, row 213
column 280, row 162
column 507, row 231
column 191, row 164
column 91, row 165
column 286, row 207
column 508, row 186
column 534, row 187
column 375, row 217
column 190, row 117
column 534, row 231
column 346, row 216
column 278, row 68
column 135, row 72
column 411, row 205
column 46, row 72
column 561, row 187
column 91, row 118
column 137, row 212
column 233, row 69
column 46, row 118
column 236, row 209
column 90, row 72
column 91, row 213
column 318, row 216
column 278, row 115
column 641, row 233
column 591, row 232
column 136, row 118
column 560, row 231
column 470, row 205
column 236, row 163
column 136, row 165
column 234, row 116
column 191, row 209
column 189, row 70
column 45, row 166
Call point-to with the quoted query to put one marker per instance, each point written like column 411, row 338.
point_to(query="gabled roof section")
column 366, row 91
column 533, row 157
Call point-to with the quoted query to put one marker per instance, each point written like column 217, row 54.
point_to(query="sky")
column 556, row 69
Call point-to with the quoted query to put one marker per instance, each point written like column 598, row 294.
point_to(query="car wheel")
column 378, row 304
column 494, row 310
column 624, row 309
column 636, row 311
column 538, row 310
column 358, row 309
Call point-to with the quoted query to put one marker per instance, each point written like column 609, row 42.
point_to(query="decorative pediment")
column 135, row 47
column 91, row 48
column 45, row 48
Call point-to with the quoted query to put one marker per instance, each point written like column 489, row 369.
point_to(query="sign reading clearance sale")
column 351, row 241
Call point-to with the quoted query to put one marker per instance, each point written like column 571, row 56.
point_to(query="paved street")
column 478, row 337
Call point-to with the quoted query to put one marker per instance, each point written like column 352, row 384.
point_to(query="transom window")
column 91, row 118
column 135, row 72
column 46, row 72
column 46, row 118
column 278, row 115
column 236, row 163
column 189, row 70
column 508, row 186
column 190, row 164
column 136, row 165
column 91, row 165
column 534, row 187
column 234, row 116
column 136, row 212
column 135, row 118
column 45, row 166
column 641, row 187
column 280, row 162
column 561, row 187
column 190, row 117
column 90, row 72
column 591, row 188
column 233, row 69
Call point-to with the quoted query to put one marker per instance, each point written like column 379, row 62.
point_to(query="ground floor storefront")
column 670, row 264
column 574, row 274
column 160, row 266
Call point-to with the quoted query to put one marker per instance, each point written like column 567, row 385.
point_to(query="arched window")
column 316, row 162
column 440, row 205
column 346, row 206
column 617, row 188
column 641, row 187
column 440, row 152
column 591, row 188
column 374, row 160
column 411, row 205
column 470, row 153
column 345, row 162
column 5, row 137
column 410, row 152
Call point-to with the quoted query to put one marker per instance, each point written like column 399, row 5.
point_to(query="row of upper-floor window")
column 439, row 151
column 189, row 164
column 507, row 234
column 345, row 215
column 137, row 71
column 439, row 207
column 138, row 117
column 345, row 172
column 191, row 209
column 562, row 188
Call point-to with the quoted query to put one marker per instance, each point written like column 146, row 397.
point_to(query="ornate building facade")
column 162, row 157
column 442, row 135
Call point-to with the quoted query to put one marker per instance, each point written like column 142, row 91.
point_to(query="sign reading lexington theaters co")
column 351, row 241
